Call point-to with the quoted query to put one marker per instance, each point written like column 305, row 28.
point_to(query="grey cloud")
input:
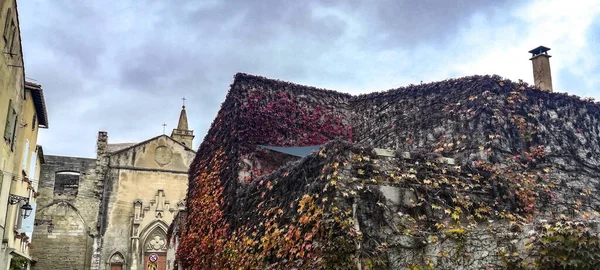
column 135, row 61
column 570, row 81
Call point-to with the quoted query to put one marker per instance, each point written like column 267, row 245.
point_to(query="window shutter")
column 8, row 128
column 14, row 131
column 26, row 156
column 6, row 26
column 33, row 166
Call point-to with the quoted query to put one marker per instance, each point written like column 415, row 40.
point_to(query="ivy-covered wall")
column 525, row 166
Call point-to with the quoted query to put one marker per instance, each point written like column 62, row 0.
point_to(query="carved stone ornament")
column 163, row 155
column 156, row 242
column 116, row 258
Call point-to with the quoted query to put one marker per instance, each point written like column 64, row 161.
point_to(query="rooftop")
column 39, row 102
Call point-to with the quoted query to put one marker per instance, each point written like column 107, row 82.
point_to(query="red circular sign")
column 153, row 257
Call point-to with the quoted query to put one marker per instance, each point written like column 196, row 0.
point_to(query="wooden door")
column 160, row 264
column 115, row 266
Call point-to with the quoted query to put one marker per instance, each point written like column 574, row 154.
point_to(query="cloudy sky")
column 123, row 66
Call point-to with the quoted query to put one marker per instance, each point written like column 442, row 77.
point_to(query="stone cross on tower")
column 164, row 125
column 183, row 98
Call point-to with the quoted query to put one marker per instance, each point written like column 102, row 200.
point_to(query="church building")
column 113, row 211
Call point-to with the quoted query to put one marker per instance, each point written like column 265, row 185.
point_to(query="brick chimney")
column 541, row 68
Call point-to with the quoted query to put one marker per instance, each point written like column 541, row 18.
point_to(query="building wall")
column 11, row 92
column 159, row 199
column 74, row 217
column 122, row 199
column 137, row 216
column 23, row 184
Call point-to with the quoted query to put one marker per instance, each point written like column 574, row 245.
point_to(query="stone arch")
column 157, row 228
column 43, row 209
column 70, row 235
column 116, row 259
column 153, row 241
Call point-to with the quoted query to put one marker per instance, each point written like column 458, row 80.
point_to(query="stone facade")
column 113, row 211
column 74, row 215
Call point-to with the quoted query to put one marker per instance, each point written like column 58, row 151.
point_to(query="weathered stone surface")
column 116, row 207
column 455, row 124
column 74, row 216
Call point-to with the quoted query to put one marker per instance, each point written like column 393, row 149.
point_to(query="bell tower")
column 182, row 133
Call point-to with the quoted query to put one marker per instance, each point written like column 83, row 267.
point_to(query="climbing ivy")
column 292, row 213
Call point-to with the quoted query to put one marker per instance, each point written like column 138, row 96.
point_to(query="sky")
column 123, row 66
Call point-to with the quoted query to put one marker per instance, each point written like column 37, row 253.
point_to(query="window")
column 11, row 125
column 66, row 183
column 33, row 121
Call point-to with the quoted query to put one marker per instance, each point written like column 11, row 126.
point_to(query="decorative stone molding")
column 156, row 242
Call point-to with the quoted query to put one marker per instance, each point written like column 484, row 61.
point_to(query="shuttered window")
column 11, row 123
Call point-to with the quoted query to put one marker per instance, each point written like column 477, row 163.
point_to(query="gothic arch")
column 69, row 226
column 154, row 237
column 41, row 210
column 116, row 258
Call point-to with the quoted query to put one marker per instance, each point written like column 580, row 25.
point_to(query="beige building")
column 113, row 212
column 23, row 113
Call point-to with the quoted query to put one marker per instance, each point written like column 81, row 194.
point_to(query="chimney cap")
column 539, row 50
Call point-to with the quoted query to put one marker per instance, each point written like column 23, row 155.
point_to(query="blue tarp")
column 294, row 151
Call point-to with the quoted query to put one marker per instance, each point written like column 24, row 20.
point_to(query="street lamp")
column 26, row 209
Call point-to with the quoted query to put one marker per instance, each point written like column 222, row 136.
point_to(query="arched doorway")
column 116, row 261
column 155, row 250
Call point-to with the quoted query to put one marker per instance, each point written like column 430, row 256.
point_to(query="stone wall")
column 69, row 245
column 535, row 153
column 260, row 111
column 486, row 118
column 74, row 216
